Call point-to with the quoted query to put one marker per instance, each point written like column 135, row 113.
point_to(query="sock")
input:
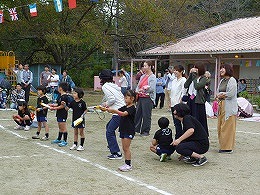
column 128, row 162
column 37, row 133
column 76, row 143
column 59, row 135
column 65, row 136
column 82, row 141
column 47, row 135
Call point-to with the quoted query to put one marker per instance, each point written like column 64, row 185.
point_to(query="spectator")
column 241, row 86
column 140, row 73
column 27, row 79
column 160, row 84
column 44, row 76
column 122, row 82
column 2, row 98
column 169, row 76
column 146, row 90
column 53, row 80
column 128, row 78
column 67, row 79
column 18, row 73
column 227, row 109
column 207, row 86
column 16, row 95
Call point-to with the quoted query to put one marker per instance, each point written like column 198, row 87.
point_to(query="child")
column 41, row 113
column 62, row 115
column 215, row 107
column 2, row 98
column 126, row 127
column 161, row 143
column 23, row 118
column 79, row 110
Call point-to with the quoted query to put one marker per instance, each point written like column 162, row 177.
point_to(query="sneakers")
column 163, row 157
column 44, row 138
column 27, row 128
column 18, row 127
column 115, row 156
column 168, row 157
column 200, row 162
column 125, row 168
column 73, row 147
column 80, row 148
column 63, row 143
column 56, row 141
column 144, row 134
column 189, row 160
column 36, row 136
column 225, row 151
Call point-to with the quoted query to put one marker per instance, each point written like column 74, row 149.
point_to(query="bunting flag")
column 72, row 4
column 257, row 63
column 33, row 10
column 58, row 5
column 1, row 16
column 13, row 14
column 241, row 62
column 248, row 63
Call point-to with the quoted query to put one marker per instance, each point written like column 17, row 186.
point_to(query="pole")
column 116, row 42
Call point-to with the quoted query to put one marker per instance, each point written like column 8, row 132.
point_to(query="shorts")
column 125, row 135
column 60, row 120
column 81, row 125
column 168, row 151
column 41, row 119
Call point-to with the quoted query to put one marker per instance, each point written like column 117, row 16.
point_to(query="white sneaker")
column 44, row 138
column 36, row 136
column 27, row 128
column 125, row 168
column 18, row 127
column 73, row 147
column 80, row 148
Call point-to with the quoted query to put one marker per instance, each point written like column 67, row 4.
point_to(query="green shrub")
column 244, row 94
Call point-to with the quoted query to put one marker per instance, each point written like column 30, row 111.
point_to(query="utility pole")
column 116, row 42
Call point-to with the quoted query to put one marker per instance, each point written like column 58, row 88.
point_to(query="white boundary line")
column 248, row 132
column 138, row 182
column 23, row 156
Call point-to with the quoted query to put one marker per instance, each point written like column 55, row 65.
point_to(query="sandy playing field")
column 39, row 167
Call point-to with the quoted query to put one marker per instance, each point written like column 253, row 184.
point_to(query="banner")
column 13, row 14
column 58, row 5
column 33, row 10
column 72, row 4
column 1, row 16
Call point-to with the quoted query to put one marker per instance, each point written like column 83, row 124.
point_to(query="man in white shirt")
column 169, row 76
column 26, row 81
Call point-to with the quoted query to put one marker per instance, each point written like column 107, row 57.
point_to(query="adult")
column 128, row 78
column 67, row 79
column 241, row 86
column 44, row 76
column 17, row 94
column 194, row 142
column 160, row 95
column 195, row 84
column 2, row 98
column 227, row 109
column 53, row 80
column 207, row 86
column 114, row 99
column 169, row 76
column 27, row 79
column 146, row 90
column 18, row 73
column 140, row 73
column 122, row 82
column 177, row 92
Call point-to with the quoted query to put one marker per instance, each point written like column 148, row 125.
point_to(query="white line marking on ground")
column 23, row 156
column 5, row 119
column 155, row 189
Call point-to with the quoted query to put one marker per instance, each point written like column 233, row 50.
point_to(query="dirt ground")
column 39, row 167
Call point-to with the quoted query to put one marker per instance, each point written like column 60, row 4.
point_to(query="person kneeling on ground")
column 161, row 143
column 194, row 142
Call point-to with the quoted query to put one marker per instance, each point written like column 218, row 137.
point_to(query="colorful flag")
column 248, row 63
column 13, row 14
column 33, row 10
column 241, row 62
column 58, row 5
column 257, row 63
column 1, row 16
column 72, row 4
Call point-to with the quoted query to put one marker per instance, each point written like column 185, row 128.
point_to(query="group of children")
column 123, row 117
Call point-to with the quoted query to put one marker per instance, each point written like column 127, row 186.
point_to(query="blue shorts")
column 125, row 135
column 60, row 120
column 41, row 119
column 168, row 151
column 80, row 126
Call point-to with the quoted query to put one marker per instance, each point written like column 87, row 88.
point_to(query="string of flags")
column 248, row 63
column 58, row 4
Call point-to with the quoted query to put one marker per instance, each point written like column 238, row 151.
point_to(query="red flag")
column 1, row 16
column 72, row 4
